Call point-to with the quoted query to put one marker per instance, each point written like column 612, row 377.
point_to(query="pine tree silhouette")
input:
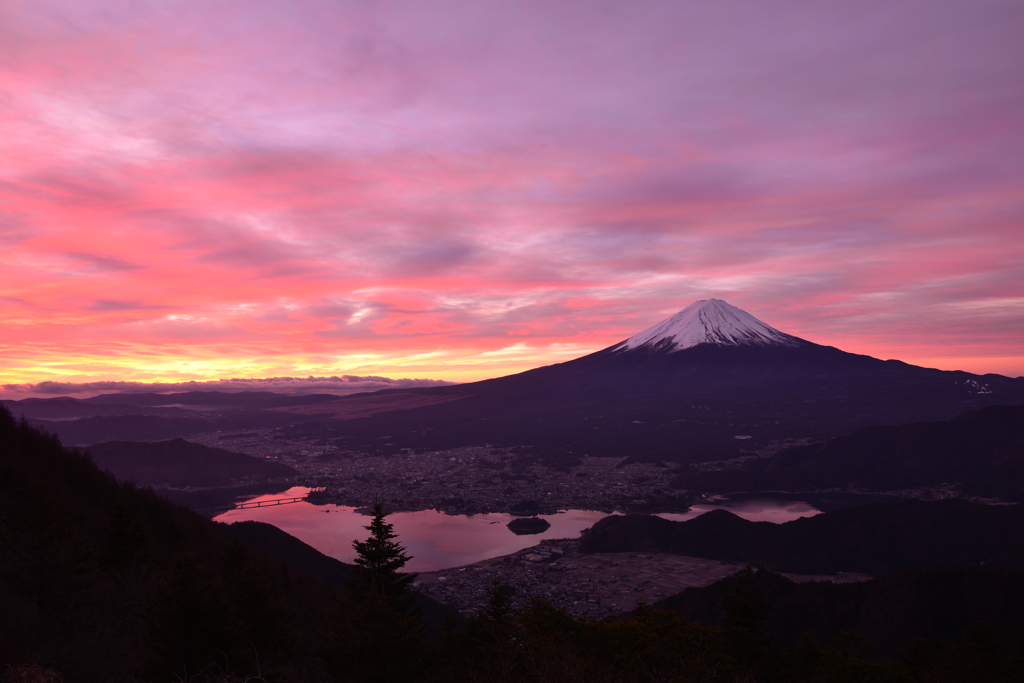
column 379, row 560
column 376, row 635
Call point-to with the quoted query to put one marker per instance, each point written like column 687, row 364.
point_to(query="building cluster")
column 587, row 585
column 466, row 480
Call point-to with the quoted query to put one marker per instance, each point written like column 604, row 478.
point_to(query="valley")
column 709, row 402
column 464, row 480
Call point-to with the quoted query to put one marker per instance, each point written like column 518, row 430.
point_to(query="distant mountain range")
column 168, row 405
column 709, row 383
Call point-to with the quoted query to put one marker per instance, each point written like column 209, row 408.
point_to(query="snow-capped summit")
column 709, row 321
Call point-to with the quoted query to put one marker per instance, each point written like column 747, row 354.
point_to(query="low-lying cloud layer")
column 342, row 386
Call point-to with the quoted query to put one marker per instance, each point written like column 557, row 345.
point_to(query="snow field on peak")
column 709, row 321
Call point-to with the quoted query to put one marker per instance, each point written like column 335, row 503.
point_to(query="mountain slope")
column 670, row 394
column 90, row 568
column 887, row 612
column 872, row 539
column 180, row 463
column 982, row 450
column 683, row 391
column 90, row 430
column 710, row 321
column 103, row 581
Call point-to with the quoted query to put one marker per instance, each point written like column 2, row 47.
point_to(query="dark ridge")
column 872, row 539
column 86, row 562
column 248, row 399
column 178, row 463
column 63, row 408
column 103, row 581
column 983, row 450
column 887, row 612
column 684, row 406
column 210, row 502
column 280, row 544
column 92, row 430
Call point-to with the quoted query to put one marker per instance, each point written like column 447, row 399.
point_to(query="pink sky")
column 459, row 190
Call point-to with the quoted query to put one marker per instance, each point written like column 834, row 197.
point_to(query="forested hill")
column 952, row 603
column 102, row 581
column 982, row 450
column 873, row 539
column 182, row 463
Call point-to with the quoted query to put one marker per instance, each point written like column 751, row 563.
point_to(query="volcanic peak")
column 709, row 321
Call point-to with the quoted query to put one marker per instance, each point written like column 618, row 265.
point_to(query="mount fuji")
column 710, row 382
column 710, row 321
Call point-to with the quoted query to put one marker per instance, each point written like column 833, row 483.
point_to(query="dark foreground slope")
column 886, row 613
column 873, row 539
column 982, row 450
column 103, row 581
column 181, row 463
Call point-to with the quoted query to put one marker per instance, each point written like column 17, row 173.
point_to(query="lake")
column 439, row 541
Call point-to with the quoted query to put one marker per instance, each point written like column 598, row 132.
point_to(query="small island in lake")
column 529, row 525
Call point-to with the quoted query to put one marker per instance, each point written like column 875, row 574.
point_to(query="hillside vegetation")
column 872, row 539
column 182, row 463
column 103, row 581
column 981, row 450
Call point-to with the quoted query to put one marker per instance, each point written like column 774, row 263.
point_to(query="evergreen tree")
column 125, row 542
column 189, row 633
column 257, row 615
column 368, row 640
column 499, row 603
column 379, row 560
column 747, row 609
column 375, row 635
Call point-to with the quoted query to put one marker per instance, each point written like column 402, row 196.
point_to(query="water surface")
column 438, row 541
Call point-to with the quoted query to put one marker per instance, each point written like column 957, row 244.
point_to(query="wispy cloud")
column 365, row 187
column 103, row 263
column 120, row 305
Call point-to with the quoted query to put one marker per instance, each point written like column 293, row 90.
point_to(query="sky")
column 196, row 191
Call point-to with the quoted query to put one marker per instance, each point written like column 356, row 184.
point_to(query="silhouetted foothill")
column 981, row 450
column 182, row 463
column 873, row 539
column 886, row 613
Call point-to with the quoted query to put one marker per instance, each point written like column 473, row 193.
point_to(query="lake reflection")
column 438, row 541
